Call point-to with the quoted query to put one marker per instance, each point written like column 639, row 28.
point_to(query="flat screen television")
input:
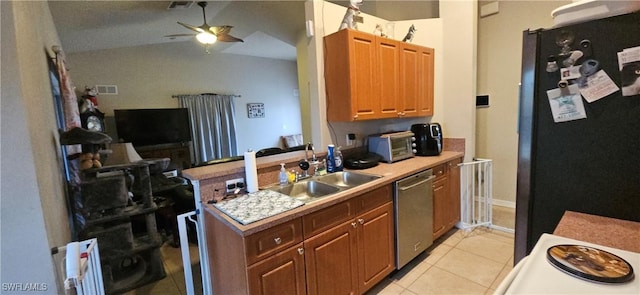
column 144, row 127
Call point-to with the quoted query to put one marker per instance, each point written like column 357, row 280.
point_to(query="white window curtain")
column 212, row 125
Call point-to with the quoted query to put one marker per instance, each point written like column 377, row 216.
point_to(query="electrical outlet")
column 233, row 184
column 351, row 138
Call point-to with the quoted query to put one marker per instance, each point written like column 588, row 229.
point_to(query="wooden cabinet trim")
column 374, row 199
column 267, row 242
column 326, row 218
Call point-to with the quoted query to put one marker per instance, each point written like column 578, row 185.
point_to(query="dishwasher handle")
column 404, row 188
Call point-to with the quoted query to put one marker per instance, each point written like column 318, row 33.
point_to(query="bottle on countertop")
column 283, row 177
column 331, row 162
column 337, row 158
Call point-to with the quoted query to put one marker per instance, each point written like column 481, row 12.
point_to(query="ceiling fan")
column 206, row 34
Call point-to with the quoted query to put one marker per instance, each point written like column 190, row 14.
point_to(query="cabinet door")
column 282, row 273
column 426, row 76
column 440, row 211
column 331, row 261
column 454, row 193
column 365, row 102
column 389, row 73
column 410, row 80
column 375, row 246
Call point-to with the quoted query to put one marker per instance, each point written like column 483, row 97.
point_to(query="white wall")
column 147, row 77
column 499, row 66
column 33, row 213
column 460, row 27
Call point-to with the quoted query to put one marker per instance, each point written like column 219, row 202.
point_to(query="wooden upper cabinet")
column 351, row 76
column 389, row 73
column 371, row 77
column 426, row 73
column 411, row 80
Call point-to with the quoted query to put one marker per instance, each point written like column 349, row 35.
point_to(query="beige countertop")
column 389, row 172
column 610, row 232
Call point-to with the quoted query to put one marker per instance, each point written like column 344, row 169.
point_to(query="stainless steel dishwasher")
column 413, row 204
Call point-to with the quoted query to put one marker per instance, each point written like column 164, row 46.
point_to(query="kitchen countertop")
column 389, row 172
column 610, row 232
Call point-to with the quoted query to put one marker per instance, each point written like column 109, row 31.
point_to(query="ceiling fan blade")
column 228, row 38
column 220, row 30
column 193, row 28
column 173, row 36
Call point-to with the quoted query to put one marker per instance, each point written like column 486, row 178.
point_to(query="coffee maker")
column 428, row 139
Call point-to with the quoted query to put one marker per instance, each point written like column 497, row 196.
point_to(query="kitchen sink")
column 346, row 179
column 306, row 191
column 317, row 187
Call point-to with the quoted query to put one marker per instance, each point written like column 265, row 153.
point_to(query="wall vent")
column 107, row 89
column 180, row 4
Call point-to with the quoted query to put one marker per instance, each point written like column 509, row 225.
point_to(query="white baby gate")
column 83, row 273
column 475, row 194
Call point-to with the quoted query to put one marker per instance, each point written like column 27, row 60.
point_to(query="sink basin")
column 346, row 179
column 306, row 191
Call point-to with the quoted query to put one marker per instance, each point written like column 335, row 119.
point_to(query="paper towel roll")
column 251, row 171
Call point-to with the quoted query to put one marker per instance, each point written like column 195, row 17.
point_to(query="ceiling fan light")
column 206, row 38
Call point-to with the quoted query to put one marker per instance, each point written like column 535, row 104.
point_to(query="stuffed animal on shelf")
column 89, row 99
column 351, row 18
column 378, row 31
column 409, row 36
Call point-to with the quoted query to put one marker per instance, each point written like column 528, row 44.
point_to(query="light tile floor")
column 457, row 263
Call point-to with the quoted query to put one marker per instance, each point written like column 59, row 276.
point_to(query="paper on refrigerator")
column 566, row 104
column 598, row 86
column 629, row 65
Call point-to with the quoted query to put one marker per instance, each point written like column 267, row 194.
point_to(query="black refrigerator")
column 578, row 152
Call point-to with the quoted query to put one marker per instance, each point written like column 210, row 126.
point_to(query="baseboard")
column 504, row 203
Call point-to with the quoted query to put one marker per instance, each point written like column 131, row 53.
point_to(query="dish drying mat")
column 257, row 205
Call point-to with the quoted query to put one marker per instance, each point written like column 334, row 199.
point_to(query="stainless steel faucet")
column 314, row 159
column 306, row 164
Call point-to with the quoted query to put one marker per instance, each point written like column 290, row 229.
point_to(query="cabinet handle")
column 301, row 251
column 355, row 117
column 354, row 224
column 361, row 221
column 277, row 240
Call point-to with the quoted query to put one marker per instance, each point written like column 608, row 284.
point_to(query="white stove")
column 535, row 275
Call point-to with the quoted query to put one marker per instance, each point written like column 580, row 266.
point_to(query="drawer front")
column 265, row 243
column 440, row 171
column 319, row 221
column 374, row 199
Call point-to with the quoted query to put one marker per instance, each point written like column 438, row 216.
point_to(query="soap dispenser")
column 337, row 158
column 283, row 177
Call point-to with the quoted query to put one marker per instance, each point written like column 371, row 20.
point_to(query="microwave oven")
column 393, row 146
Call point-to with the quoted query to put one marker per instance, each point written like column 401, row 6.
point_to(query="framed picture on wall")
column 255, row 110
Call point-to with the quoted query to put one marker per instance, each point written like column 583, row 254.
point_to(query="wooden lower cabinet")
column 376, row 248
column 282, row 273
column 331, row 261
column 347, row 255
column 454, row 192
column 352, row 257
column 440, row 196
column 446, row 197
